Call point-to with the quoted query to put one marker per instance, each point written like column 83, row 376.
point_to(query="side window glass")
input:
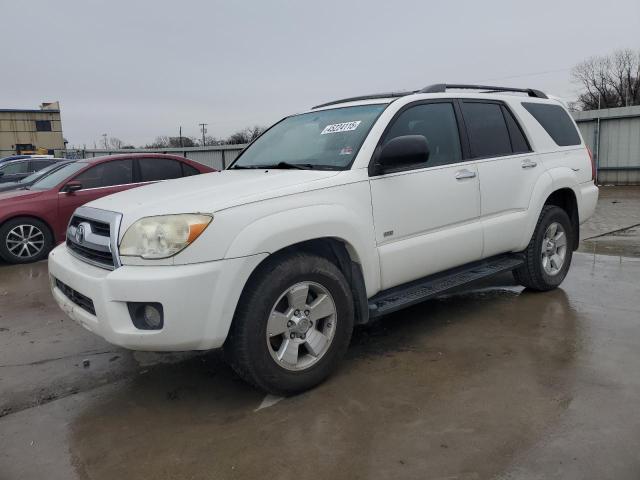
column 18, row 167
column 437, row 123
column 188, row 170
column 488, row 134
column 153, row 169
column 556, row 121
column 518, row 141
column 39, row 164
column 117, row 172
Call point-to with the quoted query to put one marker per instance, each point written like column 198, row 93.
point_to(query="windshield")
column 323, row 140
column 41, row 173
column 58, row 176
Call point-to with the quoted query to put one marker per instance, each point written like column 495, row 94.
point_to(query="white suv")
column 331, row 218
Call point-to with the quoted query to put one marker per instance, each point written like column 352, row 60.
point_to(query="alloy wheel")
column 301, row 326
column 25, row 241
column 554, row 249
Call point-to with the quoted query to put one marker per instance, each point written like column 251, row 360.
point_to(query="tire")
column 25, row 240
column 262, row 355
column 540, row 271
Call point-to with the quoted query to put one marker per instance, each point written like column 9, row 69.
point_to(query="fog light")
column 146, row 316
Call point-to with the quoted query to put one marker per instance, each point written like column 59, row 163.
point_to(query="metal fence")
column 219, row 156
column 613, row 134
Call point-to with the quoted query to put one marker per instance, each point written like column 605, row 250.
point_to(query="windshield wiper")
column 299, row 166
column 283, row 165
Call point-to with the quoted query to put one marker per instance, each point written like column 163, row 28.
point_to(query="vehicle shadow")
column 455, row 386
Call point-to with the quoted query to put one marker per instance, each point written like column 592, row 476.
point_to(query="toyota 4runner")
column 331, row 218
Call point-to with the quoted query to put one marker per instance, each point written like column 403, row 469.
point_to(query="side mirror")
column 72, row 187
column 402, row 152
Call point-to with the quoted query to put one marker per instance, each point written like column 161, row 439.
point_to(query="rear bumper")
column 587, row 201
column 198, row 300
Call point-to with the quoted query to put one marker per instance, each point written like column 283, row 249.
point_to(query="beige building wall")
column 22, row 130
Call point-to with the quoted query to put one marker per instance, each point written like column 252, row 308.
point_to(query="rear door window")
column 556, row 121
column 519, row 143
column 487, row 129
column 154, row 169
column 188, row 170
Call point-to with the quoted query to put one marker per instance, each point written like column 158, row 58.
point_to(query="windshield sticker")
column 340, row 127
column 346, row 151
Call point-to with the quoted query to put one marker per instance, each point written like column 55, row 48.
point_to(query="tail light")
column 593, row 164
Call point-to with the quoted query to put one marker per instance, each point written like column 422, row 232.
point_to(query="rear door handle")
column 529, row 164
column 462, row 174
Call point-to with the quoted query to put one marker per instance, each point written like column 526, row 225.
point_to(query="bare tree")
column 164, row 141
column 116, row 143
column 609, row 81
column 245, row 135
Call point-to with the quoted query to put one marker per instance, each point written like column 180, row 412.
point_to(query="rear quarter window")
column 556, row 122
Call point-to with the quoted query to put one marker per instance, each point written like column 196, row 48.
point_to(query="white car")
column 331, row 218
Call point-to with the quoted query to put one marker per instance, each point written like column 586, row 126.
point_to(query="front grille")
column 99, row 228
column 76, row 297
column 89, row 236
column 97, row 256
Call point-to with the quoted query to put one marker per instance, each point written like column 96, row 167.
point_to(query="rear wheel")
column 292, row 325
column 24, row 240
column 548, row 255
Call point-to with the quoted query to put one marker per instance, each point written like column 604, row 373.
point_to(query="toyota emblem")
column 79, row 236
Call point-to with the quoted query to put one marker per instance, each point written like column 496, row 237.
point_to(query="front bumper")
column 199, row 300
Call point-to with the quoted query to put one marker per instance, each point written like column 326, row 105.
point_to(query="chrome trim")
column 97, row 242
column 136, row 184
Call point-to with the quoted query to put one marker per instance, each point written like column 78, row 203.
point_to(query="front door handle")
column 529, row 164
column 462, row 174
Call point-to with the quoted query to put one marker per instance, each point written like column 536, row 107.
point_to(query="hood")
column 20, row 194
column 5, row 187
column 212, row 192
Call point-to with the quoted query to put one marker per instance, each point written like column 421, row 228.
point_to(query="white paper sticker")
column 340, row 127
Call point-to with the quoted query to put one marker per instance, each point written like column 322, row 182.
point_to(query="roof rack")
column 365, row 97
column 442, row 87
column 438, row 88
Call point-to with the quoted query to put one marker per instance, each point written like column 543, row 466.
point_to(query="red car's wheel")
column 24, row 240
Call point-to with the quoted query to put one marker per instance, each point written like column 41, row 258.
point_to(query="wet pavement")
column 496, row 382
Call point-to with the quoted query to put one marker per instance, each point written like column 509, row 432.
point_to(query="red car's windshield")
column 58, row 176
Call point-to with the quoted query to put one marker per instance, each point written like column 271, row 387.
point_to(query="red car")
column 33, row 221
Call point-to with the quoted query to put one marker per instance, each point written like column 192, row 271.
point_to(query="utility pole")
column 104, row 140
column 180, row 135
column 203, row 126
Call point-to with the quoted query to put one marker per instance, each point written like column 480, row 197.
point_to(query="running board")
column 422, row 289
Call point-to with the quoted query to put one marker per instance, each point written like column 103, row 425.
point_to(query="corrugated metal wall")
column 218, row 157
column 613, row 135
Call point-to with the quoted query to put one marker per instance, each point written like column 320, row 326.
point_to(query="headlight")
column 162, row 236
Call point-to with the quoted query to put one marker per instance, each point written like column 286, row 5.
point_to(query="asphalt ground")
column 491, row 382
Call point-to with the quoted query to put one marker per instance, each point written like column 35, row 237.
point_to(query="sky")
column 137, row 69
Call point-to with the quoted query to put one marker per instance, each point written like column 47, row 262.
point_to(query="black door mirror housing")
column 402, row 152
column 72, row 187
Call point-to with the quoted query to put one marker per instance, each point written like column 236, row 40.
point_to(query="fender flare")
column 280, row 230
column 552, row 180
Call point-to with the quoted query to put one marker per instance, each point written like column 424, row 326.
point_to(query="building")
column 613, row 135
column 31, row 131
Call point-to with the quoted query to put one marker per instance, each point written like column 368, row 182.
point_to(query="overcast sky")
column 139, row 69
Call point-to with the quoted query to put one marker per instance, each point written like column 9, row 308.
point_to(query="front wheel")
column 292, row 325
column 548, row 255
column 24, row 240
